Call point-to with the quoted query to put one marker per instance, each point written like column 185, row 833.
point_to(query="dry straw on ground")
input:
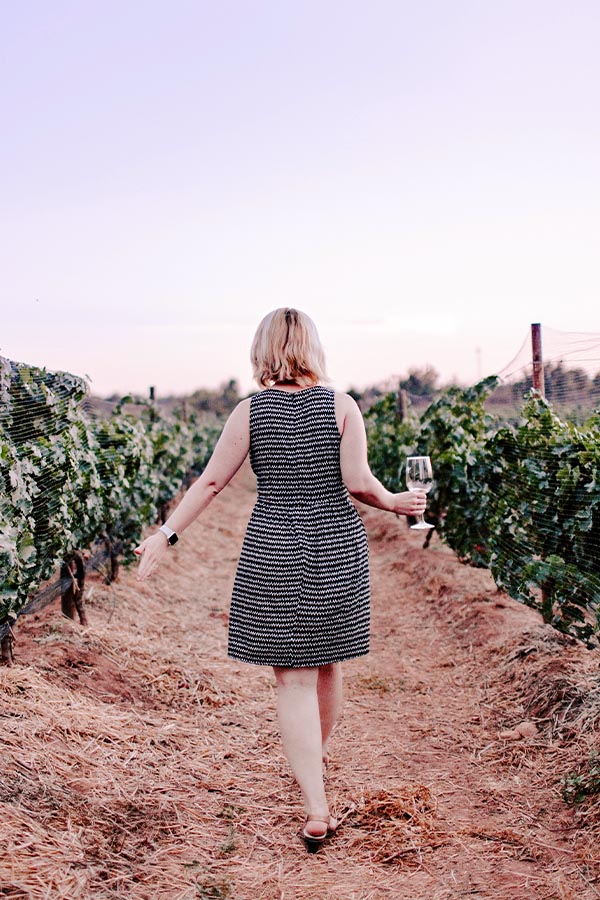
column 138, row 762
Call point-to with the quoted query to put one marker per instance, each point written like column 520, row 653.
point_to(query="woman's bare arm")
column 357, row 475
column 229, row 454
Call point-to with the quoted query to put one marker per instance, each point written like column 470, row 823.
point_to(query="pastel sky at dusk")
column 421, row 178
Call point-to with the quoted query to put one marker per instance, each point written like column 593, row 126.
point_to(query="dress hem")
column 301, row 665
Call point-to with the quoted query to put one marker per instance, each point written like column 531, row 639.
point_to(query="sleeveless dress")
column 301, row 592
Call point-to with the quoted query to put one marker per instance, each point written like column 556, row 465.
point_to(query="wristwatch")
column 170, row 535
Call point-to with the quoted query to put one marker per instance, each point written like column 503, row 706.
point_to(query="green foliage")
column 577, row 786
column 66, row 480
column 129, row 482
column 203, row 438
column 522, row 499
column 454, row 433
column 546, row 516
column 390, row 441
column 213, row 888
column 40, row 446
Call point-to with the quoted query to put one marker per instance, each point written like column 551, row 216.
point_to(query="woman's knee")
column 330, row 672
column 296, row 678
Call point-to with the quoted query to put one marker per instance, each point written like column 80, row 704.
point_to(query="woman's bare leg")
column 329, row 692
column 300, row 726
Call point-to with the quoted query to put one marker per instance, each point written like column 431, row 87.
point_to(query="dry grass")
column 139, row 762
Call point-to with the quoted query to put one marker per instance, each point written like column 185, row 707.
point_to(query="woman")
column 301, row 595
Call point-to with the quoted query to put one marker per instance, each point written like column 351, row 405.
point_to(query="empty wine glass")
column 419, row 477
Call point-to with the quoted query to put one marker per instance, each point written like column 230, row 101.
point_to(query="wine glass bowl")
column 419, row 477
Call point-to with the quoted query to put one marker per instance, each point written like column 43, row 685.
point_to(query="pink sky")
column 421, row 178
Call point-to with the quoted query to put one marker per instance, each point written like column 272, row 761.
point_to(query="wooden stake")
column 7, row 656
column 402, row 405
column 538, row 361
column 72, row 598
column 538, row 386
column 112, row 552
column 152, row 401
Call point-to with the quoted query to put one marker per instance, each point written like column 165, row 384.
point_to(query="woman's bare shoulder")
column 346, row 403
column 346, row 411
column 240, row 409
column 239, row 417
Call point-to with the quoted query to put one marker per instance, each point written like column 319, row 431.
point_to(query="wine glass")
column 419, row 477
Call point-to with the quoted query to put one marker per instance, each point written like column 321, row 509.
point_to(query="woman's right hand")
column 410, row 503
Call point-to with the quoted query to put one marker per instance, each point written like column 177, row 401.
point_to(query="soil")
column 140, row 762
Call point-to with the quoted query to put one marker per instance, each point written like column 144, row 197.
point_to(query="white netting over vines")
column 517, row 477
column 571, row 372
column 70, row 476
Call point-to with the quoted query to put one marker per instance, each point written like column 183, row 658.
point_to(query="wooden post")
column 7, row 656
column 67, row 571
column 402, row 405
column 152, row 399
column 539, row 387
column 538, row 361
column 72, row 597
column 112, row 553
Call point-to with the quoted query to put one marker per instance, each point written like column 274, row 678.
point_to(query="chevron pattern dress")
column 301, row 592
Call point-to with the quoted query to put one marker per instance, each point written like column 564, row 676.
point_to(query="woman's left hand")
column 150, row 552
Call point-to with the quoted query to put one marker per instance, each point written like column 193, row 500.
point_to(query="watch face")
column 173, row 539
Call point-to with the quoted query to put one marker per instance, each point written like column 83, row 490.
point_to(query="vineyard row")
column 68, row 480
column 520, row 498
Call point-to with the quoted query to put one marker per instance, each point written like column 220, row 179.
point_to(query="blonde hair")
column 286, row 347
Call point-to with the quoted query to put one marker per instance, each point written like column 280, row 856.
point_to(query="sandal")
column 314, row 841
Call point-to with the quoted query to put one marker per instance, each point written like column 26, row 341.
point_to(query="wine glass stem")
column 420, row 518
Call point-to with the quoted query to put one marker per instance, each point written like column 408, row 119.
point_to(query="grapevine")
column 522, row 499
column 67, row 479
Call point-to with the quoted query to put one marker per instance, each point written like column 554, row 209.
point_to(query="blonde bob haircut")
column 286, row 347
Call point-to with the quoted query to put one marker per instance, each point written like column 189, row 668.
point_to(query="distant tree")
column 420, row 382
column 230, row 394
column 562, row 383
column 220, row 402
column 202, row 400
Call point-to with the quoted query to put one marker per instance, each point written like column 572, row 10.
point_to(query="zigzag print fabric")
column 301, row 593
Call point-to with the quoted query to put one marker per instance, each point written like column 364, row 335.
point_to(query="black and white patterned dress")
column 301, row 592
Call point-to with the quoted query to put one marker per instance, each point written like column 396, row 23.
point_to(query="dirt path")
column 139, row 762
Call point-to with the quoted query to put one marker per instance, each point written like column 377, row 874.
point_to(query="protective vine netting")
column 571, row 373
column 517, row 486
column 70, row 477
